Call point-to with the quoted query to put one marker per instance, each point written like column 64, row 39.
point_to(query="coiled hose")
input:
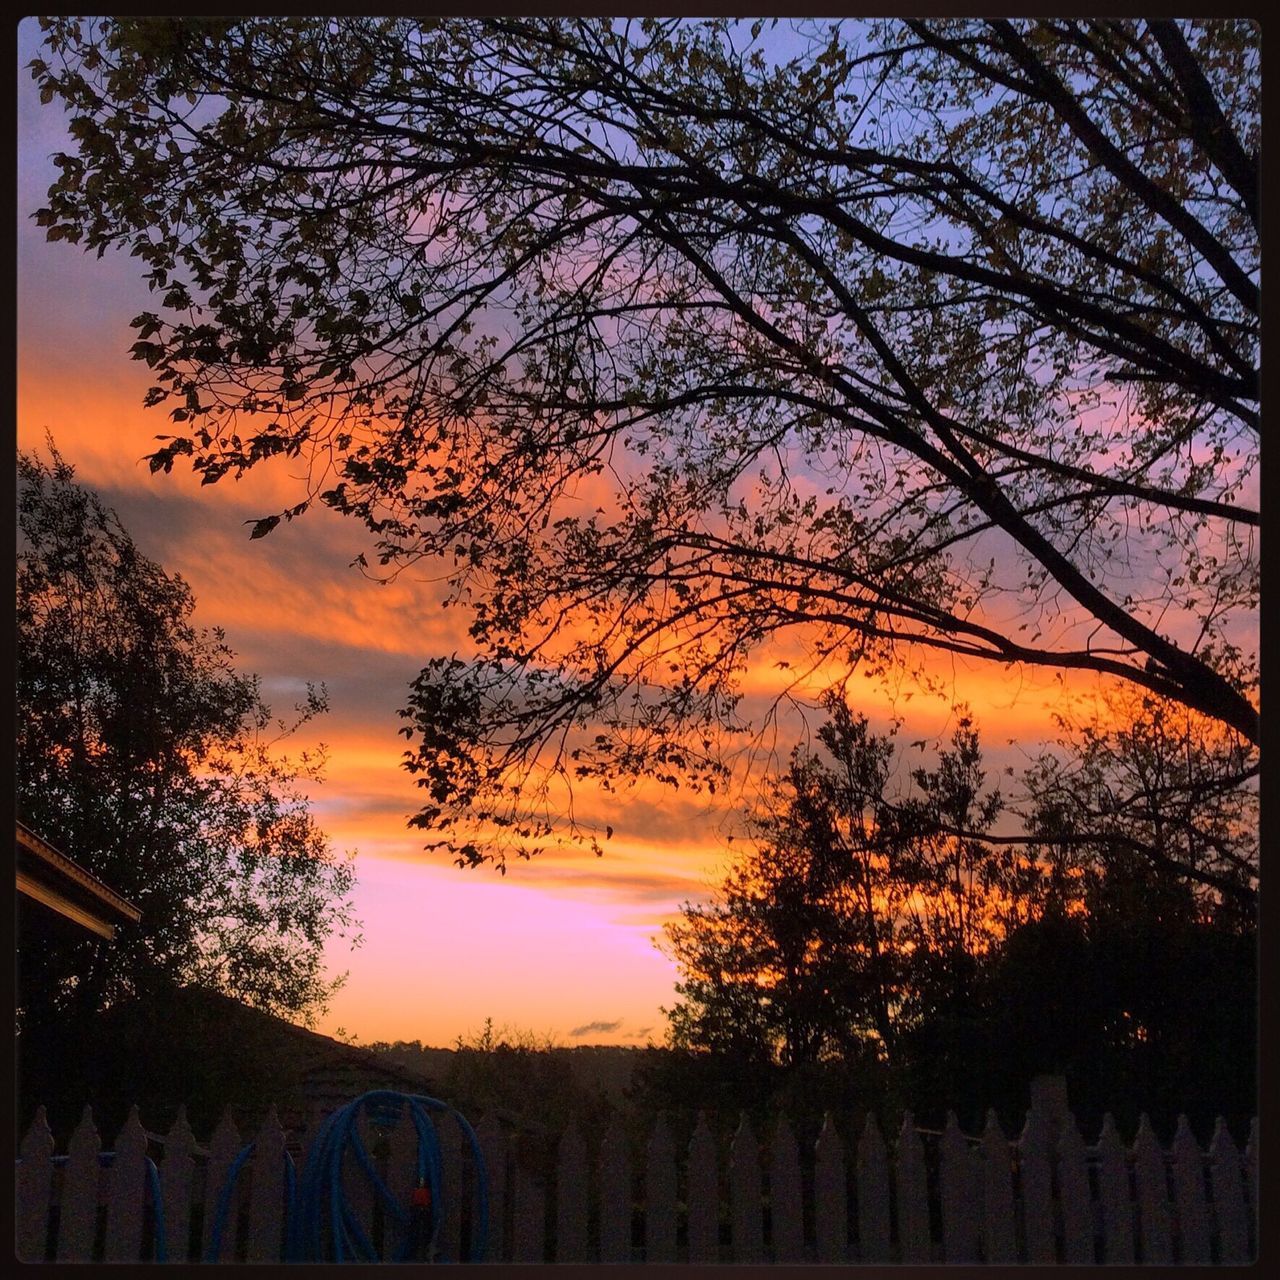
column 318, row 1210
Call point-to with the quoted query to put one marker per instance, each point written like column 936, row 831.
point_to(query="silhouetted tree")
column 1140, row 1006
column 147, row 757
column 854, row 912
column 1150, row 794
column 870, row 920
column 668, row 337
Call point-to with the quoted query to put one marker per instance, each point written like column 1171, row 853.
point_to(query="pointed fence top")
column 871, row 1139
column 225, row 1134
column 951, row 1133
column 908, row 1134
column 1035, row 1131
column 487, row 1126
column 181, row 1127
column 828, row 1146
column 131, row 1132
column 1182, row 1134
column 38, row 1140
column 1221, row 1135
column 702, row 1140
column 1108, row 1136
column 85, row 1133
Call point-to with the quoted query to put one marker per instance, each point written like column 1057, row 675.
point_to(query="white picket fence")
column 927, row 1197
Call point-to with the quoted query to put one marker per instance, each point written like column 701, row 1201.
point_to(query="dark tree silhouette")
column 668, row 337
column 854, row 912
column 147, row 757
column 870, row 921
column 1150, row 788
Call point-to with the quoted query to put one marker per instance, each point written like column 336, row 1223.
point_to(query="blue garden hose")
column 228, row 1186
column 106, row 1159
column 317, row 1201
column 321, row 1186
column 157, row 1201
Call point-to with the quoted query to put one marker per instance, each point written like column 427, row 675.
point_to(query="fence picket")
column 452, row 1187
column 999, row 1239
column 223, row 1149
column 744, row 1195
column 1074, row 1197
column 703, row 1195
column 1228, row 1197
column 528, row 1214
column 493, row 1148
column 660, row 1196
column 33, row 1185
column 126, row 1192
column 615, row 1194
column 571, row 1196
column 1188, row 1182
column 830, row 1195
column 266, row 1193
column 1149, row 1205
column 1151, row 1177
column 960, row 1224
column 177, row 1186
column 78, row 1221
column 977, row 1190
column 1035, row 1190
column 915, row 1239
column 1115, row 1199
column 873, row 1194
column 1251, row 1172
column 312, row 1121
column 786, row 1211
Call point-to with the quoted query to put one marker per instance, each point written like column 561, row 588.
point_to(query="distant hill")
column 602, row 1069
column 533, row 1088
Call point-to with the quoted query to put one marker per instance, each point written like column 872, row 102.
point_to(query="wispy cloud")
column 594, row 1028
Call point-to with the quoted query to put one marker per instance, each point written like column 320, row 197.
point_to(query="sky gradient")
column 561, row 946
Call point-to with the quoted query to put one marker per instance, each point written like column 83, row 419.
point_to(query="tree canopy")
column 872, row 920
column 857, row 906
column 1149, row 784
column 667, row 338
column 144, row 754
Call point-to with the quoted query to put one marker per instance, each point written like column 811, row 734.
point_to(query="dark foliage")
column 147, row 757
column 665, row 338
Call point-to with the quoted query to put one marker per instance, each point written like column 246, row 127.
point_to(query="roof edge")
column 68, row 867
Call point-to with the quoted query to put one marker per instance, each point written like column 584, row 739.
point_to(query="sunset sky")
column 560, row 945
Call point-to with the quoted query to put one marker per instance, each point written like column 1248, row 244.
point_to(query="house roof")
column 194, row 1046
column 315, row 1073
column 46, row 875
